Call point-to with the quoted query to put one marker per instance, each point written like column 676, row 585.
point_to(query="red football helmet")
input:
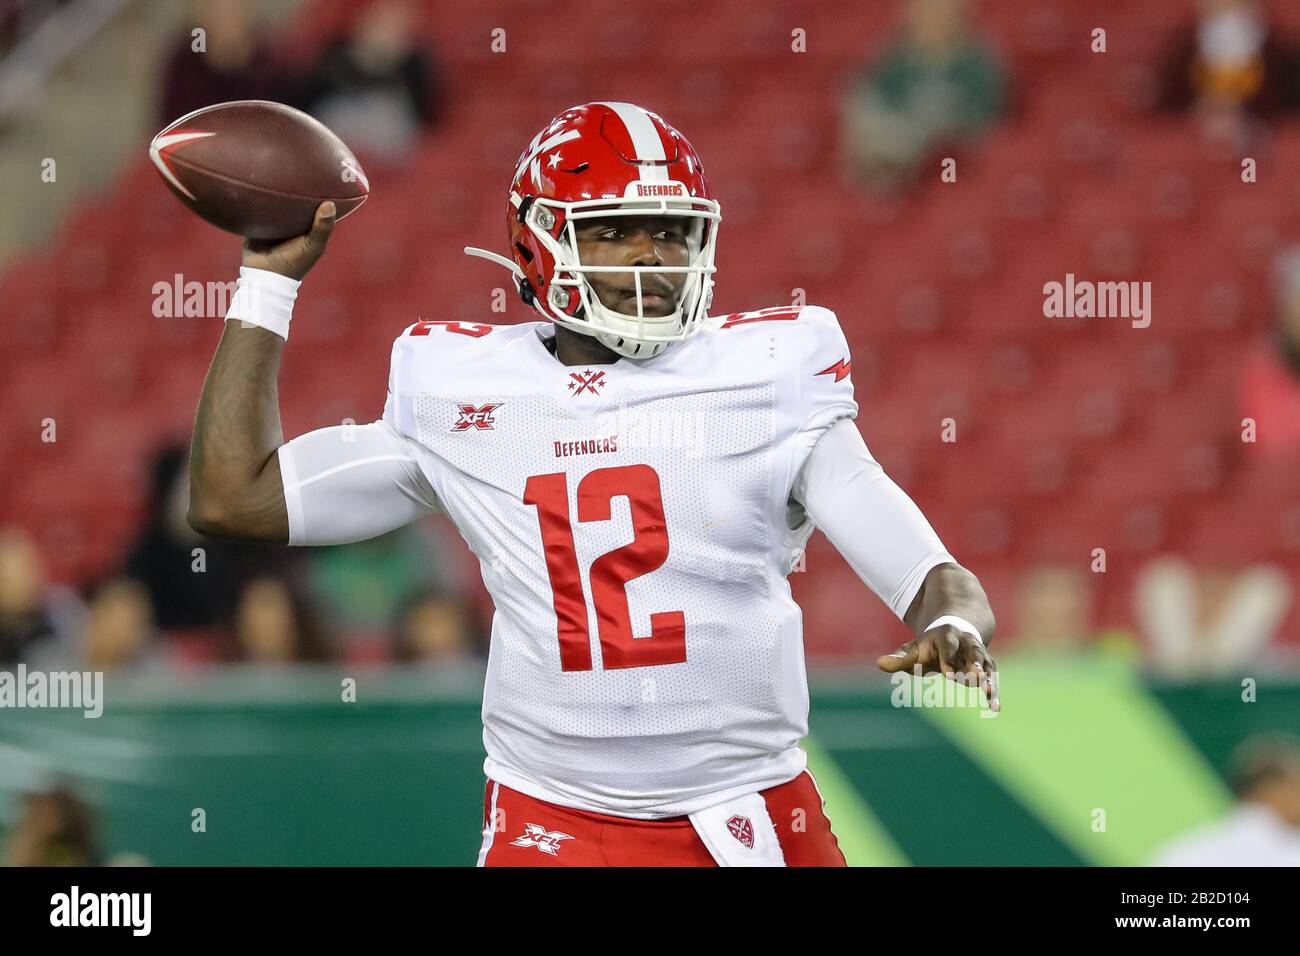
column 593, row 161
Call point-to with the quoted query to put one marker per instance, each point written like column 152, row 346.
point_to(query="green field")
column 1088, row 763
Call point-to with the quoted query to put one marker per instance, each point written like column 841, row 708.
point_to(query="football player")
column 637, row 480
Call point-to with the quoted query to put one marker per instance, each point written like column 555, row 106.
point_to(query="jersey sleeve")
column 841, row 487
column 823, row 385
column 398, row 411
column 826, row 388
column 352, row 482
column 869, row 519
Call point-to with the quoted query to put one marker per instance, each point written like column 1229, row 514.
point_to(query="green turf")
column 1085, row 747
column 937, row 804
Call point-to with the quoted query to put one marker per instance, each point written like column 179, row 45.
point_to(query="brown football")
column 256, row 168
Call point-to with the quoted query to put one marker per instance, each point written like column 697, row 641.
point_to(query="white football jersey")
column 632, row 521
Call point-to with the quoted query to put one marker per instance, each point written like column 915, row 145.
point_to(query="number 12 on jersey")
column 610, row 572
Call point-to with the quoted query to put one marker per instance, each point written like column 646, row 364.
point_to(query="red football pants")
column 519, row 830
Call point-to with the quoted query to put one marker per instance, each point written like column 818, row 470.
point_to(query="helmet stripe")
column 646, row 144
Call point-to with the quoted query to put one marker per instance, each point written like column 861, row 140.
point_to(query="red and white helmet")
column 593, row 161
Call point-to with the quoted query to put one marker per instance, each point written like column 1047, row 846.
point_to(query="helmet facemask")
column 635, row 335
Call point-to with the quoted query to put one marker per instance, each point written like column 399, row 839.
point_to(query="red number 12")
column 610, row 572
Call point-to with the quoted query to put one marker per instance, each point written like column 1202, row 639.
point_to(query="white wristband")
column 265, row 299
column 963, row 625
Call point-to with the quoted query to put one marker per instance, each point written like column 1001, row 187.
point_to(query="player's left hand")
column 953, row 653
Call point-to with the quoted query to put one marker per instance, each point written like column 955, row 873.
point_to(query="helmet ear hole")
column 521, row 214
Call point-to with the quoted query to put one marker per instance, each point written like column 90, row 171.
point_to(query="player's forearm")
column 235, row 486
column 949, row 589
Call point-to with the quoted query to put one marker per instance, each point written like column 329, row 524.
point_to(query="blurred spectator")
column 236, row 64
column 189, row 591
column 119, row 627
column 1230, row 69
column 274, row 626
column 375, row 88
column 1211, row 619
column 32, row 614
column 936, row 85
column 362, row 586
column 1270, row 383
column 54, row 829
column 1263, row 829
column 433, row 630
column 19, row 19
column 1054, row 609
column 118, row 635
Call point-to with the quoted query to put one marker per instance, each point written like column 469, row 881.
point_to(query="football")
column 256, row 168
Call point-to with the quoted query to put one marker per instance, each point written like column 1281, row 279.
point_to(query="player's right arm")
column 330, row 486
column 235, row 485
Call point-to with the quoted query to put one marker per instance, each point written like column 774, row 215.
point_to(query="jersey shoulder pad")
column 824, row 369
column 752, row 318
column 815, row 328
column 825, row 338
column 817, row 362
column 429, row 356
column 450, row 343
column 809, row 319
column 447, row 334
